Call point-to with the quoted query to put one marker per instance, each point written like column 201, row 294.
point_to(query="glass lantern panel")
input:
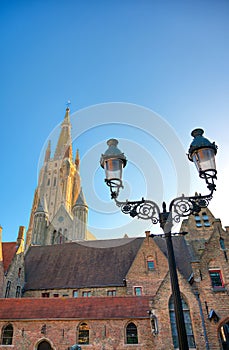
column 204, row 160
column 113, row 169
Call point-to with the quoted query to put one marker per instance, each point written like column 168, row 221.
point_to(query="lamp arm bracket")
column 185, row 206
column 143, row 209
column 179, row 207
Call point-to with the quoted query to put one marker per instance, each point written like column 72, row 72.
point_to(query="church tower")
column 59, row 211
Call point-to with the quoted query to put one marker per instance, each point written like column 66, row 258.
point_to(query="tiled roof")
column 8, row 249
column 92, row 263
column 80, row 265
column 93, row 308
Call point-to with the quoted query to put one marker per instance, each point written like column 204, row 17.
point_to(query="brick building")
column 107, row 294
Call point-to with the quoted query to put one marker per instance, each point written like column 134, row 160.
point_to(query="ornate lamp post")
column 202, row 152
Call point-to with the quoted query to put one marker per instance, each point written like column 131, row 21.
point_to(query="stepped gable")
column 75, row 265
column 74, row 308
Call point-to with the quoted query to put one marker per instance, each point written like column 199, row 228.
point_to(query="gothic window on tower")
column 216, row 279
column 18, row 292
column 83, row 334
column 7, row 335
column 8, row 289
column 131, row 334
column 188, row 324
column 54, row 181
column 54, row 237
column 48, row 183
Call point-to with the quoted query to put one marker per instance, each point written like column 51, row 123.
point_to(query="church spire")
column 65, row 136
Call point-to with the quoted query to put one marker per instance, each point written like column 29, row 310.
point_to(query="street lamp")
column 202, row 152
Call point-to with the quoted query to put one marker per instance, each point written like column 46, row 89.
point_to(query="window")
column 8, row 289
column 150, row 265
column 18, row 292
column 206, row 220
column 138, row 291
column 224, row 336
column 45, row 295
column 48, row 183
column 111, row 293
column 83, row 336
column 44, row 345
column 19, row 272
column 86, row 294
column 75, row 293
column 216, row 278
column 222, row 243
column 56, row 295
column 54, row 181
column 54, row 237
column 131, row 334
column 7, row 335
column 198, row 221
column 188, row 324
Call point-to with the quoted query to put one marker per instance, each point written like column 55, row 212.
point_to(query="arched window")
column 7, row 335
column 188, row 324
column 83, row 334
column 44, row 345
column 131, row 333
column 224, row 335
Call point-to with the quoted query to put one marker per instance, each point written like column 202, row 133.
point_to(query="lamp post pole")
column 166, row 225
column 202, row 152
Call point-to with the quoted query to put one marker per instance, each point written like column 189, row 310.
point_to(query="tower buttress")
column 40, row 223
column 80, row 213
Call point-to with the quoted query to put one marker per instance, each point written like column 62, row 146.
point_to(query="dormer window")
column 150, row 264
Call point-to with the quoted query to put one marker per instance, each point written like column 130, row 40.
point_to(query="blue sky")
column 167, row 56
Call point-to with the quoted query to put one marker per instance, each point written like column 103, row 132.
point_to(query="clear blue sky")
column 168, row 56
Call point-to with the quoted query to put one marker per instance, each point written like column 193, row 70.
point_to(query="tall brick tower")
column 58, row 198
